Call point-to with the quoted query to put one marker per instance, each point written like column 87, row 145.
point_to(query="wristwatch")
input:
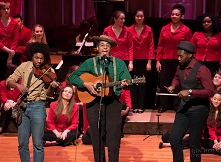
column 190, row 91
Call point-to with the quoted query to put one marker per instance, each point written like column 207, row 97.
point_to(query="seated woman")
column 8, row 99
column 62, row 120
column 212, row 144
column 83, row 121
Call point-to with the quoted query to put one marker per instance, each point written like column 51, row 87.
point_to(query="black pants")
column 3, row 64
column 138, row 92
column 5, row 119
column 86, row 138
column 109, row 131
column 213, row 66
column 71, row 137
column 194, row 120
column 167, row 73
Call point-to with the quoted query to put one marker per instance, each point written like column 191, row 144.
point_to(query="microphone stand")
column 100, row 126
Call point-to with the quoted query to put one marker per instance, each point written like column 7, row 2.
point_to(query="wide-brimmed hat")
column 106, row 39
column 187, row 46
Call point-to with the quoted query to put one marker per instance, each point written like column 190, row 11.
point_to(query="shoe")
column 160, row 145
column 161, row 110
column 135, row 110
column 140, row 111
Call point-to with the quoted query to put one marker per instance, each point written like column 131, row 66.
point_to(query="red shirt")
column 7, row 94
column 203, row 76
column 207, row 49
column 9, row 35
column 24, row 37
column 124, row 48
column 168, row 41
column 143, row 45
column 214, row 132
column 125, row 97
column 62, row 124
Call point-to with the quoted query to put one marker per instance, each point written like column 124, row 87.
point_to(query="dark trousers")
column 3, row 64
column 71, row 137
column 5, row 118
column 213, row 66
column 167, row 73
column 138, row 92
column 194, row 120
column 108, row 132
column 86, row 138
column 123, row 118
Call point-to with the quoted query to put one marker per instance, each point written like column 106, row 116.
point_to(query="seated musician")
column 8, row 99
column 108, row 119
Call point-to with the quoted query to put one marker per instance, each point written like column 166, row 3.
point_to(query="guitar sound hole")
column 98, row 87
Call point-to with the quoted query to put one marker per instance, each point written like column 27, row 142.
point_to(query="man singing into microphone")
column 104, row 114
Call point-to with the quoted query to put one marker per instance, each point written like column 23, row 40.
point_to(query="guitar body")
column 83, row 94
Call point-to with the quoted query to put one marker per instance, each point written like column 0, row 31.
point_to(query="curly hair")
column 212, row 112
column 215, row 23
column 60, row 106
column 36, row 47
column 179, row 7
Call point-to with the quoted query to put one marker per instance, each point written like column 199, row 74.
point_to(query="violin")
column 45, row 74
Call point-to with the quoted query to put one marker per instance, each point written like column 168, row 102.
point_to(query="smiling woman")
column 63, row 119
column 207, row 40
column 166, row 58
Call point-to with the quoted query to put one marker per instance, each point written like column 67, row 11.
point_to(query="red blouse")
column 207, row 49
column 62, row 124
column 9, row 35
column 125, row 97
column 214, row 132
column 7, row 94
column 24, row 37
column 124, row 48
column 143, row 45
column 168, row 41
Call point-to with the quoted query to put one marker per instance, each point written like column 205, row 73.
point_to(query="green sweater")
column 88, row 67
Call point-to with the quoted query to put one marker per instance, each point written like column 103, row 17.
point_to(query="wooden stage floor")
column 133, row 149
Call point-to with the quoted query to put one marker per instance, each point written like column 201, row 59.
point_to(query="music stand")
column 158, row 131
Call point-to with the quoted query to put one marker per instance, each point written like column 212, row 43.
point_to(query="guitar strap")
column 115, row 72
column 95, row 66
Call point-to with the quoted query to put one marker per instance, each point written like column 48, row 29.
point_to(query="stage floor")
column 133, row 149
column 147, row 122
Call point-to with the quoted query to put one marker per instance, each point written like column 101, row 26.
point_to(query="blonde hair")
column 3, row 4
column 33, row 39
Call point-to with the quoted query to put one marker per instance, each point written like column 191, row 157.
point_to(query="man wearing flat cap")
column 196, row 83
column 104, row 113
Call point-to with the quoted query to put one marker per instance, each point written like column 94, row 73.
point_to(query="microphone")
column 104, row 58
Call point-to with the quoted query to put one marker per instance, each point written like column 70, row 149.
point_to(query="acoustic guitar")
column 102, row 89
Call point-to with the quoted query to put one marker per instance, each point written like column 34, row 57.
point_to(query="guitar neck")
column 112, row 84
